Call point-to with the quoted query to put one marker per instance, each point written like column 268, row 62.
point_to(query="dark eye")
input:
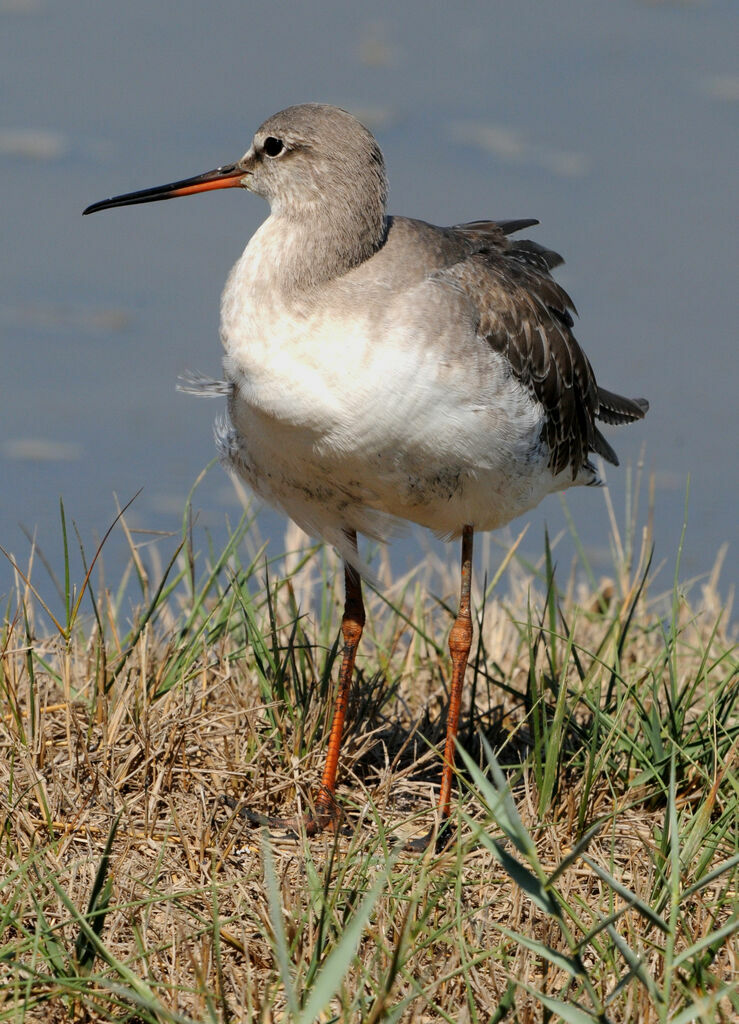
column 273, row 146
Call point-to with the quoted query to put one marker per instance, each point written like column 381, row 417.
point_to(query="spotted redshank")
column 380, row 368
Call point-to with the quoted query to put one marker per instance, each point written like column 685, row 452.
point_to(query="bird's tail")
column 614, row 408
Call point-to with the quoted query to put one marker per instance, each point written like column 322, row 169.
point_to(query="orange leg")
column 352, row 624
column 460, row 641
column 326, row 809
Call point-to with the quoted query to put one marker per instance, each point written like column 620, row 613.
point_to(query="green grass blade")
column 331, row 976
column 713, row 938
column 98, row 905
column 278, row 926
column 643, row 908
column 636, row 968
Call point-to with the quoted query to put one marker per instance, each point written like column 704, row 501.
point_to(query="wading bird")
column 380, row 368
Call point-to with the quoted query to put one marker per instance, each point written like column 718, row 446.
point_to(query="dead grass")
column 591, row 874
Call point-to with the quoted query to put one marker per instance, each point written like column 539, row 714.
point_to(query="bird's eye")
column 273, row 146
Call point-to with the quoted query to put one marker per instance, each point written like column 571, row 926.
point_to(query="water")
column 614, row 124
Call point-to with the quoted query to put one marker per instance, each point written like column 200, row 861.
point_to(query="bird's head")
column 305, row 159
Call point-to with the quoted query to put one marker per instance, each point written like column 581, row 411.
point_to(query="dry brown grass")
column 615, row 706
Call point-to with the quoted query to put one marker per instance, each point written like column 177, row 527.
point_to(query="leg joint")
column 460, row 638
column 351, row 629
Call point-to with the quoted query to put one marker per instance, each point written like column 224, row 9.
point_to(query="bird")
column 381, row 369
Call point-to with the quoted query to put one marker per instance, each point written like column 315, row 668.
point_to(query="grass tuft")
column 591, row 874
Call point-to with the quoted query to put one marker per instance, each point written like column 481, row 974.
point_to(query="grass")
column 592, row 871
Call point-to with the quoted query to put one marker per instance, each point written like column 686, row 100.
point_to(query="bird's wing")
column 523, row 313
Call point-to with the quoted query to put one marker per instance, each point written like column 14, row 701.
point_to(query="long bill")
column 231, row 176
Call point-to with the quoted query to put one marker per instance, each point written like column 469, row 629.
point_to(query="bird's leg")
column 460, row 641
column 352, row 624
column 326, row 809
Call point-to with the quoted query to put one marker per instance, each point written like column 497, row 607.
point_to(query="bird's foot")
column 438, row 837
column 327, row 816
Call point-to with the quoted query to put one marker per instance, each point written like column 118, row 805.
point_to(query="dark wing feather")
column 490, row 236
column 526, row 316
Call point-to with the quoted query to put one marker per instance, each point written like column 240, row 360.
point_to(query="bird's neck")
column 297, row 251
